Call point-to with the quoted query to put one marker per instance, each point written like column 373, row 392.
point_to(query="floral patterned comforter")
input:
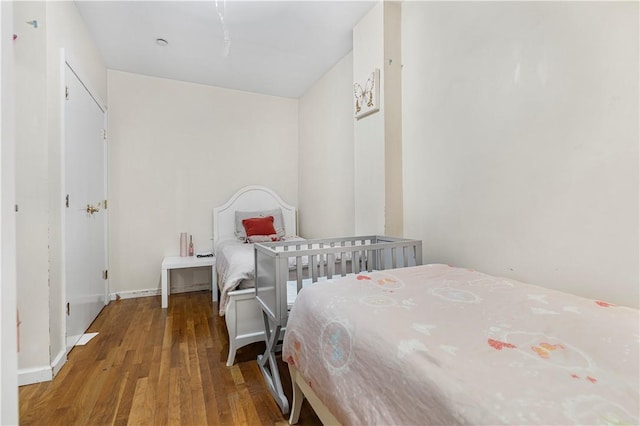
column 435, row 344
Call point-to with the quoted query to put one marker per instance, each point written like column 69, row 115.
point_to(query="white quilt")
column 235, row 263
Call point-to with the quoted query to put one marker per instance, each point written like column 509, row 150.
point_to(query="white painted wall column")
column 32, row 193
column 393, row 190
column 378, row 137
column 8, row 348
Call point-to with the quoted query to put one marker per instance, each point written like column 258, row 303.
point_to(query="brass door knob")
column 91, row 209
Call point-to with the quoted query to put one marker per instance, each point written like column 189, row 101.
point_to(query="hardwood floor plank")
column 210, row 399
column 237, row 410
column 85, row 399
column 174, row 397
column 236, row 374
column 139, row 413
column 124, row 407
column 106, row 407
column 249, row 407
column 149, row 366
column 159, row 412
column 198, row 410
column 223, row 406
column 59, row 417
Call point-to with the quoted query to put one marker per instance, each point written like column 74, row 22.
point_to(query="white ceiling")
column 274, row 47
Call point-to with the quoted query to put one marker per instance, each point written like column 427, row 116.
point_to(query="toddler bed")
column 234, row 260
column 436, row 344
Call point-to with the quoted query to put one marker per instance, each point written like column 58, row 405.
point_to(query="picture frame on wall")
column 367, row 95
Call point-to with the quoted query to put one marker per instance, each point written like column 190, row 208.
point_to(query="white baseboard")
column 135, row 293
column 157, row 292
column 28, row 376
column 58, row 362
column 191, row 287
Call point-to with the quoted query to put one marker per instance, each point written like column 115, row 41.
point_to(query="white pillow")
column 263, row 238
column 278, row 222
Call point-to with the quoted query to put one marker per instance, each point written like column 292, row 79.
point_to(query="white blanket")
column 235, row 263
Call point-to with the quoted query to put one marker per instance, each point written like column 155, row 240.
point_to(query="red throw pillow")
column 259, row 226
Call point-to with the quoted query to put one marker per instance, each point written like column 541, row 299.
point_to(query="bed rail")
column 312, row 260
column 285, row 263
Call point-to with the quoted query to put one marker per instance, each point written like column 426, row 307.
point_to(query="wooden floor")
column 149, row 366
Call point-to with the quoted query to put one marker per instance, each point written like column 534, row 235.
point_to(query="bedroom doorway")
column 84, row 207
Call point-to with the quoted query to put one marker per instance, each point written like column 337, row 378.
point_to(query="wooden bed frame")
column 302, row 390
column 243, row 316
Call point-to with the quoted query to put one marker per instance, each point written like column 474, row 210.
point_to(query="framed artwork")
column 367, row 95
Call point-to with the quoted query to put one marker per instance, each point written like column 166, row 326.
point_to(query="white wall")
column 369, row 141
column 520, row 125
column 177, row 150
column 8, row 356
column 326, row 155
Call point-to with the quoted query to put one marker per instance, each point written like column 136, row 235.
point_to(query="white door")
column 85, row 216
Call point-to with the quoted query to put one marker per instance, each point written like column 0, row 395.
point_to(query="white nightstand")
column 179, row 262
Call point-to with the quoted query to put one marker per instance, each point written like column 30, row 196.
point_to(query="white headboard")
column 250, row 198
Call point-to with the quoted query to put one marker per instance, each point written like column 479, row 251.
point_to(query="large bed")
column 436, row 344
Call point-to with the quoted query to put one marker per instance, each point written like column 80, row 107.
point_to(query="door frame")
column 66, row 60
